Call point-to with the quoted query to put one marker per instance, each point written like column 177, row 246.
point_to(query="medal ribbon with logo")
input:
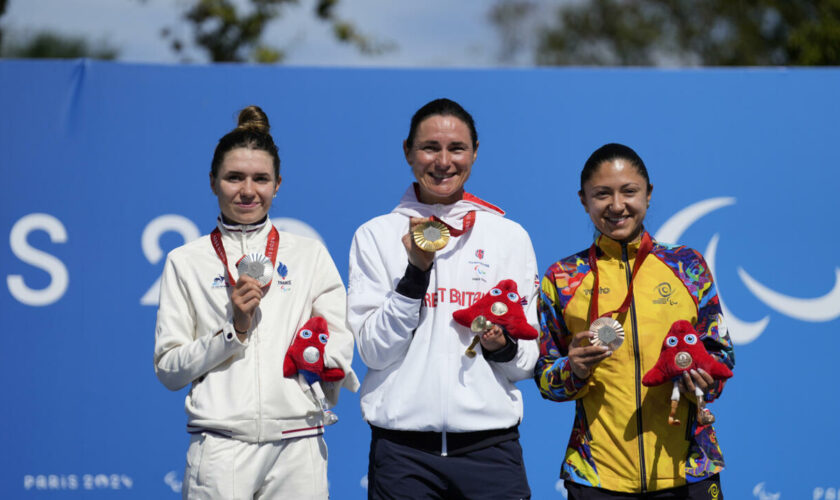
column 256, row 265
column 607, row 330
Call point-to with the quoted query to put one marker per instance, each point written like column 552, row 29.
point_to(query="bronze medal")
column 608, row 332
column 431, row 235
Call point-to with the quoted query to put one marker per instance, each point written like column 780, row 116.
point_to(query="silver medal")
column 257, row 266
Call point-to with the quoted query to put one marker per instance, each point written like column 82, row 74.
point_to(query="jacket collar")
column 451, row 214
column 246, row 232
column 612, row 248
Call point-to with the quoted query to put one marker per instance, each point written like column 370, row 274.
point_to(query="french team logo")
column 284, row 284
column 479, row 253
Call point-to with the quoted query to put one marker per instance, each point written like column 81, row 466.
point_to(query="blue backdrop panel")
column 105, row 167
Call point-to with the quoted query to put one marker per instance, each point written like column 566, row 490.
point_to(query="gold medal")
column 480, row 325
column 499, row 308
column 431, row 235
column 608, row 332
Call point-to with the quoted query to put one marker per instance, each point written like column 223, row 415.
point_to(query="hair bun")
column 253, row 118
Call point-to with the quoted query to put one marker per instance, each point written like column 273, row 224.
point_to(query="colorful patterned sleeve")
column 553, row 374
column 710, row 322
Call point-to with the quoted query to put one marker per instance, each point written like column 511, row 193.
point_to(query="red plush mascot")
column 306, row 357
column 682, row 351
column 500, row 306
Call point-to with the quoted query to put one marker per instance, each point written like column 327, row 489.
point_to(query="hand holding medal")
column 423, row 239
column 255, row 273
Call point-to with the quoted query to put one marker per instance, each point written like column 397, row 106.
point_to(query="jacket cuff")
column 506, row 353
column 414, row 282
column 229, row 333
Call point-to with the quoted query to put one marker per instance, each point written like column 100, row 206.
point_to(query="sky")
column 429, row 33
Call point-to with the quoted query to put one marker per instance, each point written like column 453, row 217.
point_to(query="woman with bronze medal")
column 604, row 314
column 444, row 423
column 224, row 326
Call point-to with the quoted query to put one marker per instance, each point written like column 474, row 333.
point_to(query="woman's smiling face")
column 616, row 198
column 441, row 158
column 245, row 185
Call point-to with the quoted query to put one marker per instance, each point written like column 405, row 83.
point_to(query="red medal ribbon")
column 468, row 222
column 270, row 250
column 644, row 249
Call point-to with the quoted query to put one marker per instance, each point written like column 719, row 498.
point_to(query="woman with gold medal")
column 224, row 327
column 444, row 424
column 603, row 321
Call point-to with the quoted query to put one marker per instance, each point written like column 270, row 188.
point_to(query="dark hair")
column 442, row 107
column 251, row 133
column 610, row 152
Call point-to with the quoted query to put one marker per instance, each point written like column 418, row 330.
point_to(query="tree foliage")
column 49, row 45
column 678, row 32
column 228, row 33
column 46, row 45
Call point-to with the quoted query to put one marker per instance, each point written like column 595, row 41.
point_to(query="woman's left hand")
column 695, row 379
column 493, row 339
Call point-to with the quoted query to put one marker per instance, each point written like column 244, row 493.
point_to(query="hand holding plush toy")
column 500, row 306
column 683, row 351
column 306, row 357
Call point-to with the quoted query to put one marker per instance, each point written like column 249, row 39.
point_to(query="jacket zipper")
column 444, row 451
column 638, row 368
column 256, row 351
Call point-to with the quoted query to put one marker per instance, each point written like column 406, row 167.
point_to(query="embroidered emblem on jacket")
column 480, row 268
column 220, row 282
column 664, row 290
column 283, row 271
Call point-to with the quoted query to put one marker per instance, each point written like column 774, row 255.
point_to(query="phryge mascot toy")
column 306, row 357
column 682, row 351
column 500, row 306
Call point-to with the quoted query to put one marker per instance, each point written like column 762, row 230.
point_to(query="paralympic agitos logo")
column 818, row 309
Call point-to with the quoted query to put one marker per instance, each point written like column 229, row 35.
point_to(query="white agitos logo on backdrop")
column 825, row 308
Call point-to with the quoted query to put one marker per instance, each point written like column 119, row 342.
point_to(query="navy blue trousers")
column 397, row 471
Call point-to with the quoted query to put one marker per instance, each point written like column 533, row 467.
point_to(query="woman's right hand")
column 246, row 296
column 584, row 358
column 418, row 257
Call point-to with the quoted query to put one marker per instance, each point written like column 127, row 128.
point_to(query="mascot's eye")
column 495, row 292
column 513, row 297
column 691, row 339
column 305, row 334
column 323, row 338
column 671, row 341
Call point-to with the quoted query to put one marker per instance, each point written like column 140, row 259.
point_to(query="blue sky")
column 430, row 33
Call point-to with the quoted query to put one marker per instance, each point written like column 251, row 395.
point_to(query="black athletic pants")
column 708, row 489
column 407, row 469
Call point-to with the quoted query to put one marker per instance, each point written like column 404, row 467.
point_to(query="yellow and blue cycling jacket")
column 621, row 439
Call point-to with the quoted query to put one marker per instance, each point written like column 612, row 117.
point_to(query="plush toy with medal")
column 306, row 357
column 501, row 306
column 682, row 350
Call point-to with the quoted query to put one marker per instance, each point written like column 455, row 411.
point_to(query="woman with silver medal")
column 604, row 313
column 223, row 329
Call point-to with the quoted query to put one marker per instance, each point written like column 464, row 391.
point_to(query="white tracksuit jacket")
column 419, row 377
column 238, row 389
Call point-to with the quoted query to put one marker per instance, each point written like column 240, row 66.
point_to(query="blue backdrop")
column 104, row 170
